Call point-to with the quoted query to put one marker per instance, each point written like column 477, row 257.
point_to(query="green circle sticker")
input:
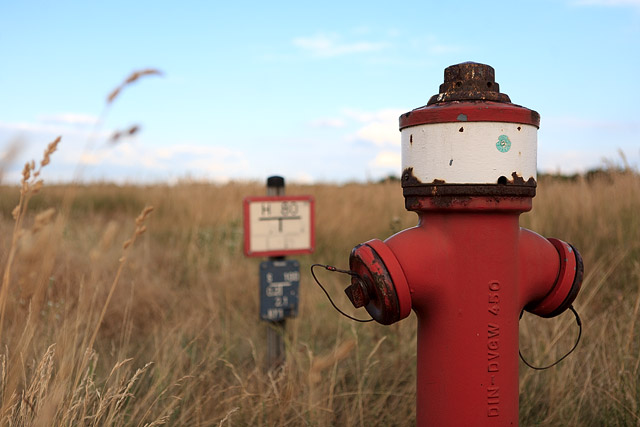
column 503, row 145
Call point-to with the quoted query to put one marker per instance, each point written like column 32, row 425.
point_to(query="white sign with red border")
column 278, row 225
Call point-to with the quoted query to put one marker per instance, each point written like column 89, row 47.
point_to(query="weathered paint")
column 455, row 154
column 379, row 286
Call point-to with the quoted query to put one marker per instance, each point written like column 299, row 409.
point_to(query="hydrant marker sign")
column 278, row 225
column 279, row 283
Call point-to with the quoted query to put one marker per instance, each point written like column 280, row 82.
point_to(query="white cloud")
column 380, row 133
column 387, row 160
column 568, row 161
column 196, row 159
column 69, row 119
column 379, row 128
column 84, row 151
column 330, row 45
column 90, row 159
column 50, row 128
column 303, row 178
column 575, row 144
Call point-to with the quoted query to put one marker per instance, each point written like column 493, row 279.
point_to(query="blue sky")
column 308, row 90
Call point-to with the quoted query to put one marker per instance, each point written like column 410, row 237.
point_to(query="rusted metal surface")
column 374, row 286
column 518, row 180
column 469, row 81
column 469, row 93
column 468, row 203
column 449, row 193
column 410, row 180
column 357, row 293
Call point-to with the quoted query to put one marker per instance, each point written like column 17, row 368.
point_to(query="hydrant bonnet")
column 469, row 140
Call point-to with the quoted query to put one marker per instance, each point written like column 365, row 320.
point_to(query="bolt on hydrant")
column 467, row 269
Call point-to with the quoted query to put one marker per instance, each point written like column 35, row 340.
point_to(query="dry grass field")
column 110, row 316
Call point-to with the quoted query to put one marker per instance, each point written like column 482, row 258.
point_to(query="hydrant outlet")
column 381, row 286
column 567, row 285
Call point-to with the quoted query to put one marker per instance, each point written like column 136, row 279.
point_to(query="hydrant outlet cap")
column 381, row 286
column 469, row 81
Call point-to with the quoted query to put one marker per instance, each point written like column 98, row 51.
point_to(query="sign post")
column 276, row 226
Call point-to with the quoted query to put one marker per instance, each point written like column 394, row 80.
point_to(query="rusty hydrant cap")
column 469, row 81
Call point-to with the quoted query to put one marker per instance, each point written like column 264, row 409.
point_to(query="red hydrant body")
column 467, row 269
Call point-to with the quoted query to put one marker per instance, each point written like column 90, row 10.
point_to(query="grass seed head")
column 132, row 78
column 143, row 215
column 51, row 148
column 137, row 74
column 113, row 95
column 117, row 135
column 26, row 172
column 141, row 229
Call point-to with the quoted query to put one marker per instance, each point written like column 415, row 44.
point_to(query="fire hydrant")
column 467, row 269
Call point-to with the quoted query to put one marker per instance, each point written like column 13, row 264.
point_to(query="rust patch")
column 469, row 81
column 357, row 293
column 448, row 201
column 443, row 194
column 409, row 179
column 425, row 203
column 469, row 190
column 518, row 180
column 379, row 297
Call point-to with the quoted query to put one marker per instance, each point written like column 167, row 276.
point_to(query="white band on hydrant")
column 470, row 152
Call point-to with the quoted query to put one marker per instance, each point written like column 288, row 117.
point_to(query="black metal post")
column 275, row 329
